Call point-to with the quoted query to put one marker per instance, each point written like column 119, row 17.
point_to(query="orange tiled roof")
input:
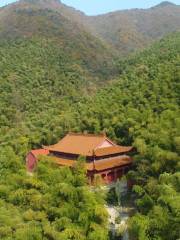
column 98, row 165
column 64, row 162
column 38, row 152
column 80, row 144
column 112, row 150
column 108, row 163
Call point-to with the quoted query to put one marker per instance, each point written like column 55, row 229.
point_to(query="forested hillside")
column 56, row 77
column 48, row 62
column 41, row 21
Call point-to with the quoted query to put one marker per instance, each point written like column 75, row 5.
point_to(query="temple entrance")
column 104, row 177
column 108, row 177
column 111, row 177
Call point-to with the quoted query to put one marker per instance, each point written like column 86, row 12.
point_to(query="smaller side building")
column 104, row 158
column 32, row 158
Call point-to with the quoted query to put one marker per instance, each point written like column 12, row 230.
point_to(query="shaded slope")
column 146, row 91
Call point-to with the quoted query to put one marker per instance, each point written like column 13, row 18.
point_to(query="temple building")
column 104, row 158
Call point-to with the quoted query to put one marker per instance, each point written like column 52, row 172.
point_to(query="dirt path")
column 123, row 213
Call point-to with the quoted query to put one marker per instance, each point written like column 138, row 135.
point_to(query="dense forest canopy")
column 55, row 204
column 49, row 87
column 141, row 107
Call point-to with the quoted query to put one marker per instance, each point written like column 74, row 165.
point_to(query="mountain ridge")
column 59, row 2
column 165, row 4
column 122, row 32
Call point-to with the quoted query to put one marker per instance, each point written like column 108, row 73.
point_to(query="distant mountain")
column 53, row 21
column 120, row 32
column 134, row 29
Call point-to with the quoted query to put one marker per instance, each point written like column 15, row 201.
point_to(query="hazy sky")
column 93, row 7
